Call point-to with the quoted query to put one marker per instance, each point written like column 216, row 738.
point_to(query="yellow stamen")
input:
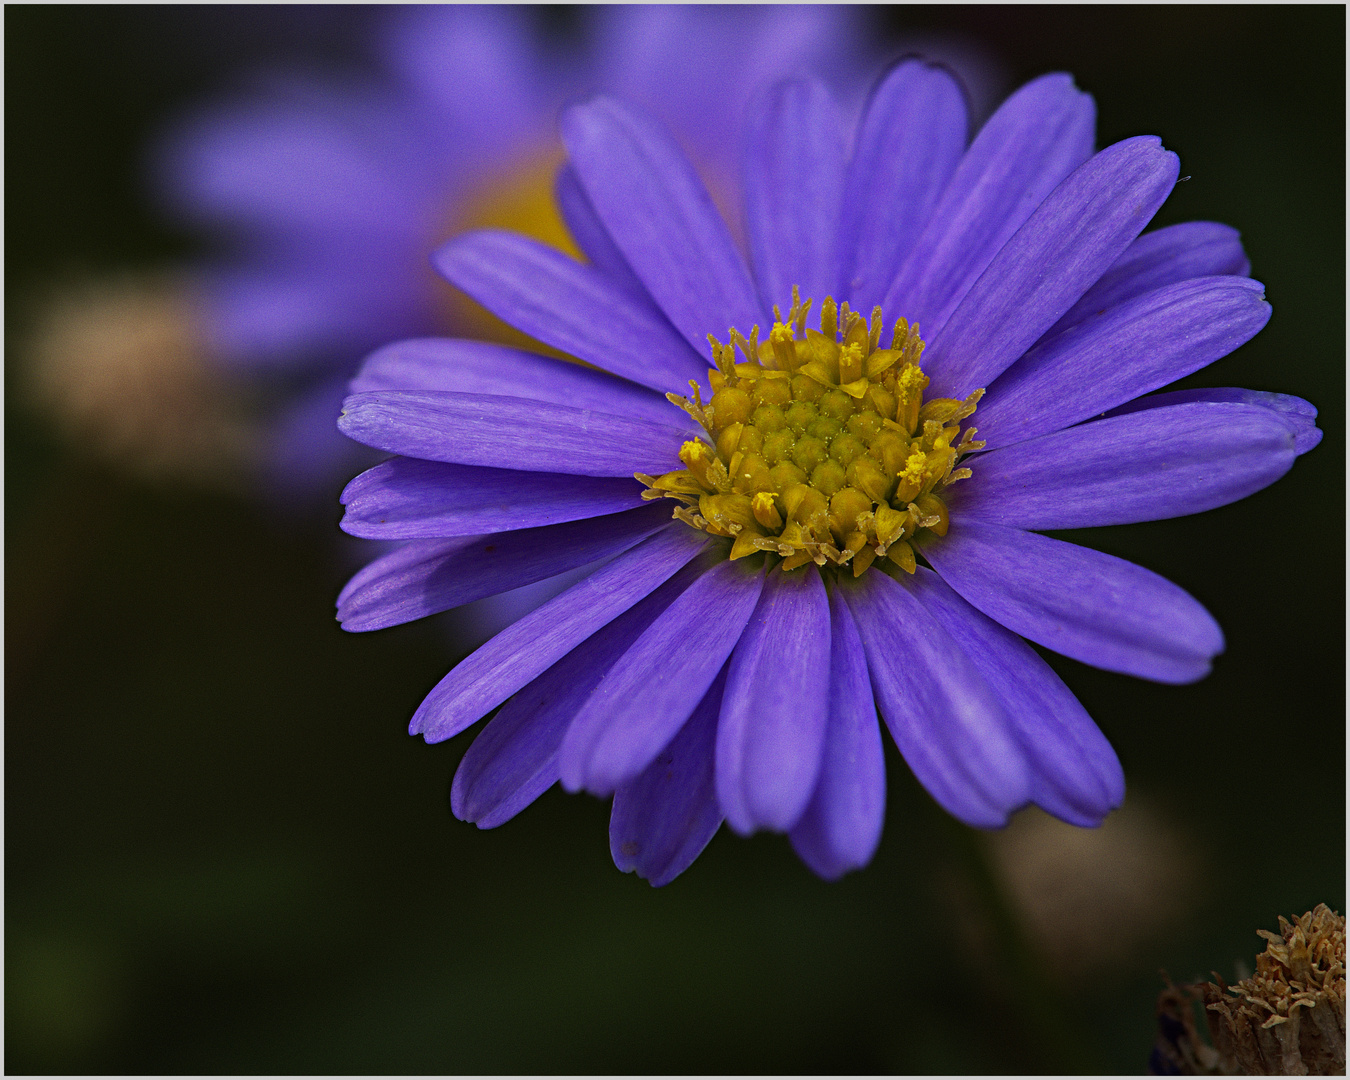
column 820, row 445
column 765, row 510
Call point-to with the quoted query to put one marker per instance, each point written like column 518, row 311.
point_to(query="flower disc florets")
column 821, row 447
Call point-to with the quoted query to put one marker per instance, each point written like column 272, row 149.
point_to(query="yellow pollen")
column 820, row 446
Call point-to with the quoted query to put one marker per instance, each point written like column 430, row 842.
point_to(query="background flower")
column 331, row 193
column 224, row 853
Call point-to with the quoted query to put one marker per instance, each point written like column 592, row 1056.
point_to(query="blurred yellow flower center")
column 518, row 199
column 821, row 447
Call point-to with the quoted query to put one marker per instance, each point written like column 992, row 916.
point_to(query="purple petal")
column 1085, row 604
column 772, row 729
column 650, row 693
column 675, row 60
column 1075, row 773
column 528, row 648
column 1036, row 138
column 589, row 233
column 514, row 760
column 1163, row 257
column 1070, row 240
column 299, row 158
column 944, row 717
column 661, row 217
column 910, row 141
column 1165, row 335
column 841, row 827
column 427, row 576
column 663, row 819
column 288, row 316
column 1158, row 463
column 304, row 453
column 573, row 307
column 392, row 589
column 794, row 181
column 1302, row 414
column 479, row 71
column 480, row 367
column 511, row 433
column 480, row 620
column 406, row 498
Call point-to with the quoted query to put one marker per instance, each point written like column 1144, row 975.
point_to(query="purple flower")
column 332, row 195
column 843, row 544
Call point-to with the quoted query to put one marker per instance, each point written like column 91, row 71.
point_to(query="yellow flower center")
column 821, row 447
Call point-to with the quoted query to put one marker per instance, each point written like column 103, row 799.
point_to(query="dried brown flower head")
column 1286, row 1020
column 1289, row 1018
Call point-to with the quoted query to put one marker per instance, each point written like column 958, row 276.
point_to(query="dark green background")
column 223, row 853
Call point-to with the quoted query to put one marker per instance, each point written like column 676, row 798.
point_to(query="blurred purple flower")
column 694, row 687
column 332, row 195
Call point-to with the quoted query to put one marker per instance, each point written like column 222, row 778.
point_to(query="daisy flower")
column 809, row 490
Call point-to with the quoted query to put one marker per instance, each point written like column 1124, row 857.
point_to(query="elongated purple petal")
column 910, row 141
column 661, row 217
column 305, row 450
column 478, row 71
column 1302, row 414
column 650, row 693
column 515, row 758
column 407, row 498
column 289, row 314
column 573, row 307
column 511, row 763
column 511, row 433
column 528, row 648
column 1085, row 604
column 1158, row 463
column 1166, row 256
column 1075, row 774
column 589, row 233
column 841, row 827
column 1139, row 346
column 696, row 65
column 772, row 729
column 427, row 576
column 390, row 590
column 1036, row 138
column 794, row 181
column 480, row 367
column 944, row 717
column 480, row 620
column 300, row 160
column 663, row 819
column 1070, row 240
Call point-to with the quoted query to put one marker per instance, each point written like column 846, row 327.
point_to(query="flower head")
column 842, row 544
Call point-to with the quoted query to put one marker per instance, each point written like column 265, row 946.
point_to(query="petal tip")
column 459, row 797
column 1307, row 440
